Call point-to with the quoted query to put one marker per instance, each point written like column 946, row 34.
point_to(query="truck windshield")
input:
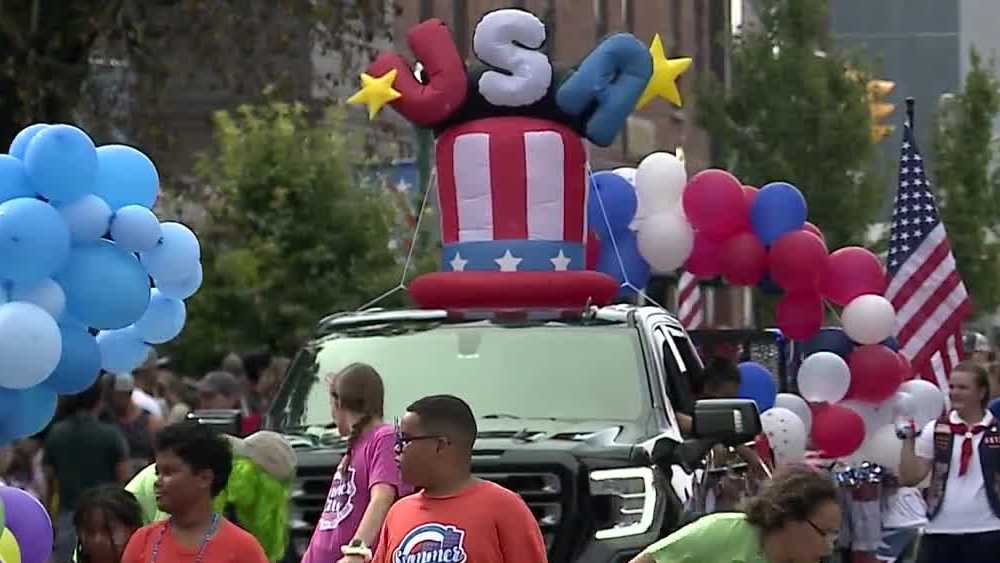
column 530, row 372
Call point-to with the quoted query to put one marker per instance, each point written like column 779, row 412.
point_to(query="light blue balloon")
column 20, row 144
column 13, row 179
column 105, row 285
column 34, row 240
column 80, row 363
column 121, row 350
column 25, row 412
column 126, row 176
column 135, row 228
column 175, row 256
column 62, row 163
column 183, row 288
column 163, row 319
column 87, row 218
column 779, row 208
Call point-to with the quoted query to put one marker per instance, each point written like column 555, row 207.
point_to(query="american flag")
column 924, row 285
column 690, row 302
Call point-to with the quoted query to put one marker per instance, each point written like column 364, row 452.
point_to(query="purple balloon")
column 28, row 520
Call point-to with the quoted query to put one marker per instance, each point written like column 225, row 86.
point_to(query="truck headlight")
column 632, row 496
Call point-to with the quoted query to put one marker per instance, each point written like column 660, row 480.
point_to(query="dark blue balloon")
column 757, row 383
column 891, row 343
column 619, row 201
column 779, row 208
column 636, row 268
column 829, row 340
column 25, row 412
column 80, row 363
column 105, row 285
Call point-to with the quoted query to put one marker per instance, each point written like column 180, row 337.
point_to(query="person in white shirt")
column 961, row 453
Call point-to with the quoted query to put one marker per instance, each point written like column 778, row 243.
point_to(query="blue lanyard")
column 212, row 528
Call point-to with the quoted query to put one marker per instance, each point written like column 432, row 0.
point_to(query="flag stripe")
column 926, row 304
column 508, row 168
column 936, row 261
column 575, row 209
column 473, row 152
column 447, row 198
column 544, row 170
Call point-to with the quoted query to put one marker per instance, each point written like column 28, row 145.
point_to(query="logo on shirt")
column 340, row 501
column 431, row 543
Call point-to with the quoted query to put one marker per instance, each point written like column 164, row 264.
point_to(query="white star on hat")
column 561, row 262
column 458, row 263
column 508, row 262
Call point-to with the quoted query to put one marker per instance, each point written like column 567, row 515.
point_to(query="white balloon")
column 659, row 184
column 88, row 217
column 881, row 446
column 785, row 433
column 824, row 378
column 903, row 404
column 665, row 241
column 797, row 405
column 875, row 416
column 47, row 294
column 30, row 345
column 869, row 319
column 927, row 398
column 626, row 172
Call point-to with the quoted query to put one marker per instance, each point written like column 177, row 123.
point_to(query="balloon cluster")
column 79, row 246
column 25, row 528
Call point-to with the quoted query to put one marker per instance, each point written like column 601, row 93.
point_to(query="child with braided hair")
column 367, row 481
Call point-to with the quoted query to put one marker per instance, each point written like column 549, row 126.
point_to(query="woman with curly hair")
column 796, row 519
column 105, row 519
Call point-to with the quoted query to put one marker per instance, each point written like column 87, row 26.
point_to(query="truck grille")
column 541, row 491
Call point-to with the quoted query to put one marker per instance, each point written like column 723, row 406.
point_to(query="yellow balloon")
column 10, row 552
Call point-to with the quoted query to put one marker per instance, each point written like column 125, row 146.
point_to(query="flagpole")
column 909, row 110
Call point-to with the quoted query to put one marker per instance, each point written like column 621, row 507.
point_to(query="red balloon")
column 800, row 315
column 714, row 203
column 704, row 261
column 876, row 373
column 905, row 367
column 854, row 271
column 814, row 230
column 743, row 259
column 593, row 252
column 799, row 261
column 750, row 194
column 836, row 430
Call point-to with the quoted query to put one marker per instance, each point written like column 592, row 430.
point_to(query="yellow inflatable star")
column 376, row 92
column 665, row 72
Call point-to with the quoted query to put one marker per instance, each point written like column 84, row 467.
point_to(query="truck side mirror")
column 729, row 422
column 226, row 421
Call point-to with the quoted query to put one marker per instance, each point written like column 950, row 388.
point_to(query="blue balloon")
column 121, row 350
column 829, row 340
column 13, row 179
column 757, row 383
column 105, row 286
column 619, row 202
column 34, row 240
column 163, row 320
column 80, row 363
column 175, row 256
column 636, row 271
column 20, row 144
column 608, row 84
column 891, row 343
column 183, row 288
column 61, row 162
column 779, row 208
column 135, row 228
column 25, row 412
column 87, row 218
column 126, row 176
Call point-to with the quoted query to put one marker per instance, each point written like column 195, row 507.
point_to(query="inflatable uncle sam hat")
column 511, row 161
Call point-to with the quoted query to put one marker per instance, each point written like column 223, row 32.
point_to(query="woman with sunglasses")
column 796, row 519
column 367, row 481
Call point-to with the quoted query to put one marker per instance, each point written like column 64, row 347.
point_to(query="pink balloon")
column 814, row 230
column 798, row 261
column 837, row 430
column 800, row 315
column 854, row 271
column 743, row 259
column 714, row 203
column 876, row 373
column 704, row 261
column 750, row 194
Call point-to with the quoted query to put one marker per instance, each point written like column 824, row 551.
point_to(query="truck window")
column 681, row 365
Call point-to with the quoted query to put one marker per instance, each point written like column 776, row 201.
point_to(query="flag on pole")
column 690, row 302
column 924, row 285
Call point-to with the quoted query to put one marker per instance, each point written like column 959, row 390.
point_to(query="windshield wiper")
column 509, row 416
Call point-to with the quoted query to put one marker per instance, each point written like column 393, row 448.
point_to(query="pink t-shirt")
column 373, row 461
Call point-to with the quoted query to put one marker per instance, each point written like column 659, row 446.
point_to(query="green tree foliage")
column 291, row 235
column 792, row 112
column 967, row 183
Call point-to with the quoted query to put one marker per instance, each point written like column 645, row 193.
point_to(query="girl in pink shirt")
column 367, row 481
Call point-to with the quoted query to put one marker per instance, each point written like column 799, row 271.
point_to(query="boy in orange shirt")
column 456, row 518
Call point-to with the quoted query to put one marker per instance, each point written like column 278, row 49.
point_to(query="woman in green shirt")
column 795, row 519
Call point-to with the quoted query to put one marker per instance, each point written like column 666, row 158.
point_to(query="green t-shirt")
column 84, row 453
column 725, row 536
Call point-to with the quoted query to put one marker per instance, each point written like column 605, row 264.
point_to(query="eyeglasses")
column 830, row 536
column 403, row 441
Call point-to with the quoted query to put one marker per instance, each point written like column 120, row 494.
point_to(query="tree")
column 292, row 235
column 967, row 182
column 794, row 112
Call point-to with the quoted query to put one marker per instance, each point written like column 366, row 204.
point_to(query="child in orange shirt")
column 456, row 517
